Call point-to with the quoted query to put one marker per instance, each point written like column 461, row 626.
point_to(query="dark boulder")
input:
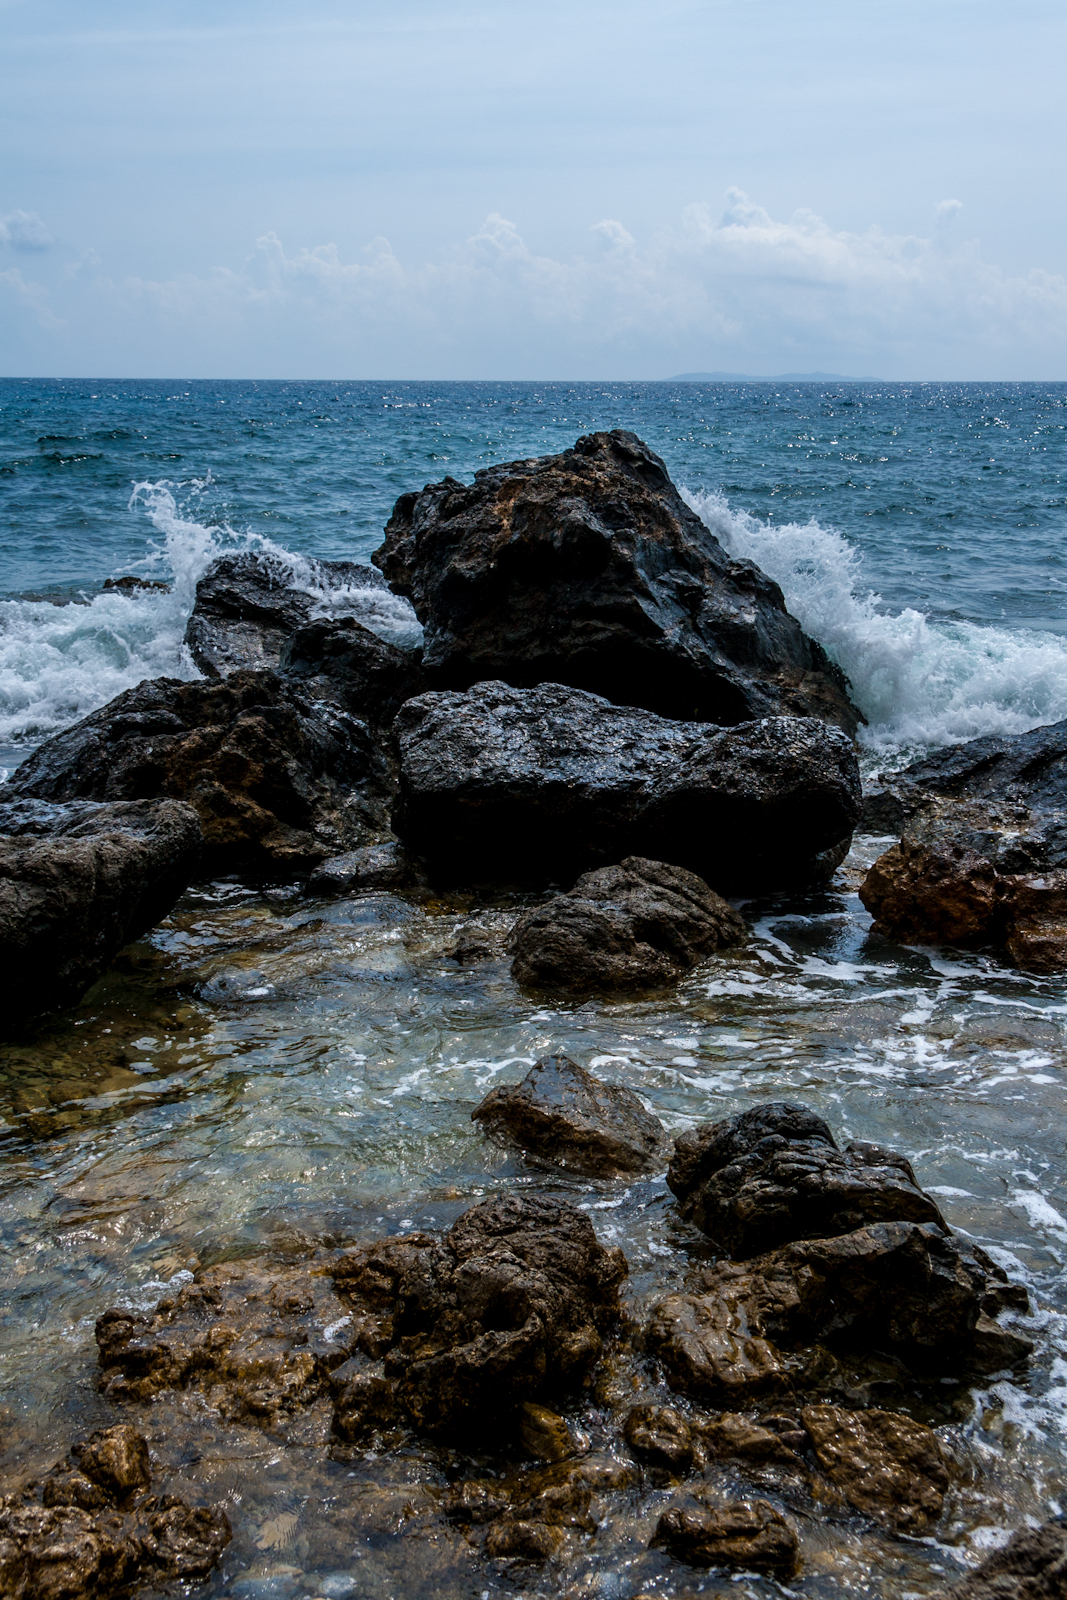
column 633, row 926
column 247, row 607
column 774, row 1173
column 376, row 866
column 589, row 569
column 564, row 1117
column 749, row 1534
column 79, row 881
column 1032, row 1567
column 542, row 783
column 1024, row 769
column 343, row 662
column 278, row 780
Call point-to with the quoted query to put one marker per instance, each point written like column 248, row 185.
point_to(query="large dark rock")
column 246, row 608
column 343, row 662
column 564, row 1117
column 542, row 783
column 632, row 926
column 774, row 1173
column 278, row 780
column 1027, row 769
column 589, row 569
column 1032, row 1567
column 79, row 881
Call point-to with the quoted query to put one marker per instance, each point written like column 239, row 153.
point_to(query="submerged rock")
column 564, row 1117
column 92, row 1530
column 79, row 881
column 542, row 783
column 749, row 1534
column 1032, row 1567
column 588, row 568
column 774, row 1173
column 278, row 781
column 886, row 1465
column 637, row 925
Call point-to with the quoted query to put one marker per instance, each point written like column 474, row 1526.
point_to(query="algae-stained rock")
column 749, row 1534
column 635, row 925
column 1032, row 1567
column 588, row 568
column 77, row 882
column 340, row 660
column 562, row 1116
column 885, row 1464
column 774, row 1173
column 278, row 781
column 543, row 783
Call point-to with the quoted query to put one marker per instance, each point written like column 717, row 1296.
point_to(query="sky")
column 432, row 189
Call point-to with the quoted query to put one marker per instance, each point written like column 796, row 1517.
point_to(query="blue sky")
column 415, row 189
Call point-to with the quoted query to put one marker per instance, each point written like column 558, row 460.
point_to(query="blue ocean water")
column 917, row 529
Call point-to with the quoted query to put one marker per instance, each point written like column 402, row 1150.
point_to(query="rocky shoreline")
column 619, row 723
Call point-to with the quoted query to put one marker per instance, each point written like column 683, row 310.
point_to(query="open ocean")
column 264, row 1070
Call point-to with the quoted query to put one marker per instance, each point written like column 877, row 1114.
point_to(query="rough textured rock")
column 1025, row 769
column 564, row 1117
column 774, row 1173
column 897, row 1289
column 979, row 876
column 749, row 1534
column 885, row 1464
column 1032, row 1567
column 633, row 926
column 731, row 1434
column 376, row 866
column 278, row 781
column 94, row 1532
column 543, row 783
column 445, row 1334
column 344, row 662
column 660, row 1434
column 77, row 882
column 246, row 609
column 589, row 569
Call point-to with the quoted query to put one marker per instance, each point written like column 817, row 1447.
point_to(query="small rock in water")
column 564, row 1117
column 376, row 866
column 749, row 1534
column 885, row 1464
column 661, row 1435
column 544, row 1433
column 636, row 925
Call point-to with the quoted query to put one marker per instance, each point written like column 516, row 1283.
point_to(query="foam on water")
column 59, row 662
column 920, row 682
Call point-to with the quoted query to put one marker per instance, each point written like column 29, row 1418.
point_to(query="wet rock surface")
column 247, row 608
column 79, row 881
column 1032, row 1567
column 545, row 782
column 91, row 1529
column 750, row 1534
column 341, row 661
column 634, row 925
column 588, row 568
column 885, row 1464
column 775, row 1174
column 376, row 866
column 563, row 1116
column 278, row 781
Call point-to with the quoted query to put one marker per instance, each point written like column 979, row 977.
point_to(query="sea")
column 264, row 1071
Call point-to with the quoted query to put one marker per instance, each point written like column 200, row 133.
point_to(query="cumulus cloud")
column 739, row 288
column 24, row 230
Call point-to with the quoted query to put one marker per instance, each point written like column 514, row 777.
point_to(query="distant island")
column 778, row 377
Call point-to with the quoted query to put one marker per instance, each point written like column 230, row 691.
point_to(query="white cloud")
column 31, row 297
column 24, row 230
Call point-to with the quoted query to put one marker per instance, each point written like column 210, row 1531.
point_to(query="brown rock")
column 544, row 1433
column 709, row 1350
column 661, row 1435
column 62, row 1553
column 749, row 1534
column 731, row 1434
column 117, row 1459
column 1032, row 1567
column 564, row 1117
column 885, row 1464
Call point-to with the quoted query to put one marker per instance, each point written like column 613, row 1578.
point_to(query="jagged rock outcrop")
column 278, row 780
column 1025, row 769
column 561, row 1116
column 1032, row 1567
column 91, row 1529
column 636, row 925
column 543, row 783
column 246, row 608
column 774, row 1174
column 79, row 881
column 588, row 569
column 341, row 661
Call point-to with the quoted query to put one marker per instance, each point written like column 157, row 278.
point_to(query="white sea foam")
column 59, row 662
column 919, row 682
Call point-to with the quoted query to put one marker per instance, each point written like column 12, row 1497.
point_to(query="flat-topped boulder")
column 278, row 780
column 589, row 569
column 636, row 925
column 562, row 1116
column 77, row 882
column 543, row 783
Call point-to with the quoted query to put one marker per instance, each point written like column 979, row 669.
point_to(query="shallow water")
column 266, row 1070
